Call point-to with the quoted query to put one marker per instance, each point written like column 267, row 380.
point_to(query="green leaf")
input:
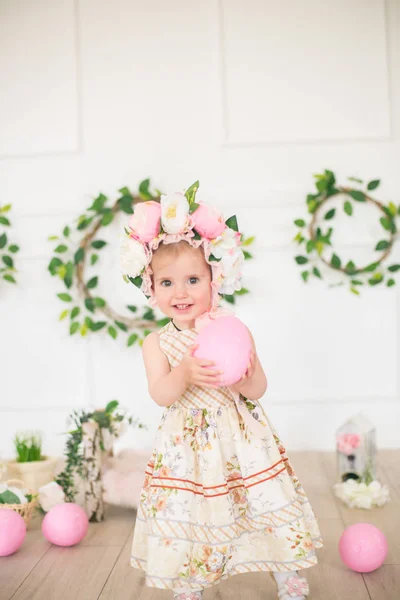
column 13, row 248
column 193, row 207
column 372, row 185
column 305, row 275
column 370, row 268
column 241, row 292
column 98, row 244
column 392, row 209
column 84, row 329
column 126, row 204
column 9, row 278
column 132, row 308
column 98, row 325
column 132, row 339
column 99, row 302
column 310, row 246
column 317, row 272
column 248, row 241
column 5, row 208
column 350, row 267
column 52, row 238
column 386, row 223
column 92, row 283
column 232, row 223
column 301, row 260
column 355, row 291
column 4, row 221
column 63, row 315
column 79, row 256
column 355, row 179
column 74, row 328
column 112, row 331
column 8, row 261
column 89, row 303
column 8, row 497
column 136, row 281
column 69, row 274
column 64, row 297
column 229, row 298
column 144, row 191
column 61, row 248
column 121, row 325
column 54, row 265
column 357, row 195
column 391, row 282
column 191, row 192
column 213, row 258
column 3, row 240
column 111, row 406
column 99, row 203
column 300, row 223
column 75, row 312
column 330, row 214
column 107, row 219
column 348, row 208
column 394, row 268
column 84, row 222
column 66, row 231
column 375, row 279
column 149, row 315
column 247, row 255
column 357, row 282
column 162, row 322
column 382, row 245
column 125, row 191
column 336, row 262
column 93, row 259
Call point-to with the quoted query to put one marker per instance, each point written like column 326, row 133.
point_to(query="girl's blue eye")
column 166, row 283
column 194, row 280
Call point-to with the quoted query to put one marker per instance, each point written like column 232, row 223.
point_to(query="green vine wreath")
column 316, row 239
column 79, row 245
column 7, row 249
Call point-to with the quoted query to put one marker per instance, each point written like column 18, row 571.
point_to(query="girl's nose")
column 181, row 291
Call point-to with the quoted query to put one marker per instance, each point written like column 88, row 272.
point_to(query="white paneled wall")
column 251, row 98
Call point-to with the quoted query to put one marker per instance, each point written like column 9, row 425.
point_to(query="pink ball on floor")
column 225, row 341
column 12, row 531
column 65, row 524
column 363, row 547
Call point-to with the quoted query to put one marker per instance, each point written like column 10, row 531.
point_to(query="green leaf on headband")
column 196, row 236
column 144, row 191
column 213, row 258
column 229, row 298
column 232, row 223
column 136, row 281
column 194, row 206
column 191, row 192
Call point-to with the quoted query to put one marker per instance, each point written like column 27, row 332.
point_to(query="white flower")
column 226, row 243
column 17, row 491
column 232, row 265
column 360, row 495
column 215, row 561
column 50, row 495
column 133, row 257
column 174, row 213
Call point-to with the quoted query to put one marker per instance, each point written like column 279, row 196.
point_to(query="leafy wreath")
column 7, row 267
column 69, row 262
column 315, row 239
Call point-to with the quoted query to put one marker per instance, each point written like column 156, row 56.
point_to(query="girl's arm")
column 167, row 385
column 253, row 384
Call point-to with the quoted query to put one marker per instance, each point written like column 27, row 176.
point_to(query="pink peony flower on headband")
column 145, row 222
column 208, row 222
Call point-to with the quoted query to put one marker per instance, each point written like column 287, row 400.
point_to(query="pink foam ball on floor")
column 12, row 531
column 363, row 547
column 65, row 524
column 226, row 341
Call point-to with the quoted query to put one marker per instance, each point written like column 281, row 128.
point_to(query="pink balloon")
column 65, row 524
column 363, row 547
column 225, row 341
column 12, row 531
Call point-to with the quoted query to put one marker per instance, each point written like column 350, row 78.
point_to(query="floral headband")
column 178, row 217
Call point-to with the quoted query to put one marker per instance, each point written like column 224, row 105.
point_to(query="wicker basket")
column 26, row 509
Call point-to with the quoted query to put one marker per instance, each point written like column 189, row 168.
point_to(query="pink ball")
column 65, row 524
column 225, row 341
column 12, row 531
column 363, row 547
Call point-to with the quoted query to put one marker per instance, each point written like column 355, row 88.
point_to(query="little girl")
column 220, row 496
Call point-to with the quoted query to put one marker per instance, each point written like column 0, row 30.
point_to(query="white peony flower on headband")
column 360, row 495
column 226, row 243
column 174, row 213
column 133, row 257
column 232, row 266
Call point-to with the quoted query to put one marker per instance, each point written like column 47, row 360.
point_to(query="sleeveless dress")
column 220, row 496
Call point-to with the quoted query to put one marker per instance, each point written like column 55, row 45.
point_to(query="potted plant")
column 31, row 466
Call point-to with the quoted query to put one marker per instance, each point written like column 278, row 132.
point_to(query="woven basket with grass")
column 25, row 509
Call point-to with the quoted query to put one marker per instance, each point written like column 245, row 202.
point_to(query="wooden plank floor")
column 99, row 568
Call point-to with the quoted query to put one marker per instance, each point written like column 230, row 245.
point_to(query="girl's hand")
column 251, row 367
column 198, row 371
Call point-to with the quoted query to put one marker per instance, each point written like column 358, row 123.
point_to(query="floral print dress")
column 220, row 496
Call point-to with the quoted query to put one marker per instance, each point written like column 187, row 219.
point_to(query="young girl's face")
column 182, row 285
